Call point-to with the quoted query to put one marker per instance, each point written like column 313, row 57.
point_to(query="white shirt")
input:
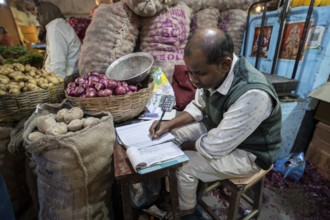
column 63, row 47
column 241, row 119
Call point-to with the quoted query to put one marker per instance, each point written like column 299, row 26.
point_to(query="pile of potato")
column 66, row 120
column 16, row 78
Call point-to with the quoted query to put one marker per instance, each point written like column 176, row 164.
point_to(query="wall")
column 8, row 22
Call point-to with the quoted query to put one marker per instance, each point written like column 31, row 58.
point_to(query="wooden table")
column 125, row 175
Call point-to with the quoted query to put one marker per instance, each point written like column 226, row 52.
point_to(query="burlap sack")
column 75, row 171
column 165, row 36
column 204, row 18
column 222, row 5
column 233, row 22
column 111, row 34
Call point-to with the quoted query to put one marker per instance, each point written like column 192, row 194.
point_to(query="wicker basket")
column 122, row 107
column 16, row 107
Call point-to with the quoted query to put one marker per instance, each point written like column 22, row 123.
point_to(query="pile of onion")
column 95, row 84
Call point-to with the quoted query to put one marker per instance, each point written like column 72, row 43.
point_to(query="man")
column 63, row 44
column 4, row 37
column 232, row 127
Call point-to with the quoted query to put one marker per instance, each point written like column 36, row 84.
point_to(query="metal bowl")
column 132, row 68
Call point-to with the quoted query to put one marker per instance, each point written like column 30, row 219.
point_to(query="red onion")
column 79, row 91
column 71, row 84
column 100, row 93
column 94, row 73
column 107, row 92
column 79, row 80
column 90, row 93
column 132, row 88
column 120, row 90
column 104, row 81
column 112, row 84
column 85, row 85
column 71, row 91
column 99, row 86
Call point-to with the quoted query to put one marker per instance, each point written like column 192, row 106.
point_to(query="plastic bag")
column 161, row 87
column 292, row 166
column 144, row 194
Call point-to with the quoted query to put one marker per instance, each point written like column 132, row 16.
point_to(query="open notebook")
column 145, row 154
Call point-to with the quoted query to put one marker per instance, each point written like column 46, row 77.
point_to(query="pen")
column 158, row 125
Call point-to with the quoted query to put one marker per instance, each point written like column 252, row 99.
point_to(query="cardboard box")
column 322, row 132
column 323, row 95
column 319, row 154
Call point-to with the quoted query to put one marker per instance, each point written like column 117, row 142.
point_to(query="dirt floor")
column 283, row 199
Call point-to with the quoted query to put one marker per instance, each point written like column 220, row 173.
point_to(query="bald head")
column 212, row 42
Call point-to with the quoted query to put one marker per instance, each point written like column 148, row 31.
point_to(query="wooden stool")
column 238, row 187
column 125, row 175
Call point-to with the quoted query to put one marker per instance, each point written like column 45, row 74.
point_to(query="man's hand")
column 163, row 128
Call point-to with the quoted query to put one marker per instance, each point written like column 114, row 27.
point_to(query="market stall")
column 62, row 130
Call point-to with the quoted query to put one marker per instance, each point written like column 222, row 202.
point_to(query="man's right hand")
column 164, row 127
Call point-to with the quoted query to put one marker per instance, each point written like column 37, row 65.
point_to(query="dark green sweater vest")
column 265, row 141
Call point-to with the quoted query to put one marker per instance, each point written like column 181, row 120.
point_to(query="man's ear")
column 226, row 64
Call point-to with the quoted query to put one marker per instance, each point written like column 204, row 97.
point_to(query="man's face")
column 40, row 17
column 202, row 74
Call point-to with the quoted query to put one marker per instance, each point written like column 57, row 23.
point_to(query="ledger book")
column 145, row 154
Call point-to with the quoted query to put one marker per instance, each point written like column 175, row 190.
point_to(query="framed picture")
column 265, row 43
column 291, row 40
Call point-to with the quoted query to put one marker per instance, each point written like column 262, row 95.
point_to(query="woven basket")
column 122, row 107
column 16, row 107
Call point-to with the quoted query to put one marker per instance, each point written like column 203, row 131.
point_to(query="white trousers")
column 238, row 163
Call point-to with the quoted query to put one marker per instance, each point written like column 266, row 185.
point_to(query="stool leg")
column 236, row 193
column 126, row 200
column 174, row 194
column 258, row 192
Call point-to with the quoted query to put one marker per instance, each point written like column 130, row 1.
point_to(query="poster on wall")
column 265, row 43
column 291, row 39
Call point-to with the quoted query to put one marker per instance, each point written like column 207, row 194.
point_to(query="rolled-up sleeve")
column 194, row 108
column 241, row 119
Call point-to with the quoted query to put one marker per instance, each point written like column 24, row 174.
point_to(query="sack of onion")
column 96, row 92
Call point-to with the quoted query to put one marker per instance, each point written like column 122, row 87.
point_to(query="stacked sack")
column 233, row 22
column 207, row 17
column 111, row 34
column 73, row 154
column 165, row 36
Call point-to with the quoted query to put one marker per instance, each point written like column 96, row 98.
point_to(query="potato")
column 31, row 73
column 90, row 121
column 60, row 114
column 32, row 87
column 75, row 125
column 2, row 92
column 4, row 79
column 17, row 76
column 73, row 113
column 14, row 91
column 53, row 80
column 28, row 68
column 57, row 128
column 35, row 136
column 19, row 67
column 45, row 122
column 3, row 87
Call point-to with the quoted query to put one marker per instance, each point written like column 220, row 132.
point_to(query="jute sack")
column 204, row 18
column 75, row 171
column 165, row 36
column 222, row 5
column 111, row 34
column 233, row 23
